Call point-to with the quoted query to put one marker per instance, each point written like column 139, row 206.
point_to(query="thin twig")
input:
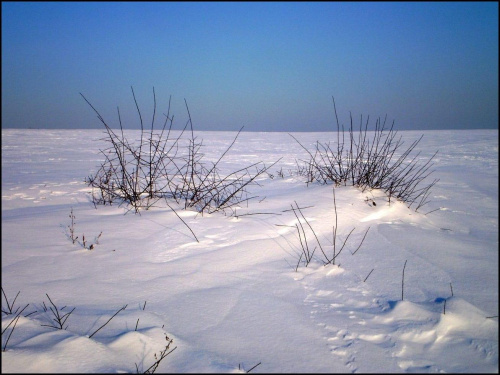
column 123, row 308
column 366, row 278
column 257, row 213
column 254, row 367
column 336, row 224
column 403, row 281
column 17, row 315
column 300, row 258
column 305, row 246
column 433, row 210
column 9, row 306
column 352, row 230
column 184, row 222
column 314, row 233
column 299, row 208
column 361, row 241
column 11, row 331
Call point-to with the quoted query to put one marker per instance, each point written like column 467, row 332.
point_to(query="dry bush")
column 306, row 245
column 370, row 161
column 161, row 166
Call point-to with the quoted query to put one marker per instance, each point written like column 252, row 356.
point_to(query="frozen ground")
column 233, row 300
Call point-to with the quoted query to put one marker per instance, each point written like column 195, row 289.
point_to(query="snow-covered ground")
column 234, row 299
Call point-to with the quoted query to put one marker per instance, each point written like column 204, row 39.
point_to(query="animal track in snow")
column 360, row 328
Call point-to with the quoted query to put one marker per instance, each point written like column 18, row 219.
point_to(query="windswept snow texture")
column 235, row 299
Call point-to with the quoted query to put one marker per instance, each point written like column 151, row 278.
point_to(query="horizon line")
column 248, row 131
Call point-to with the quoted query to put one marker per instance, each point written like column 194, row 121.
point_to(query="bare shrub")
column 59, row 318
column 307, row 253
column 10, row 310
column 74, row 239
column 378, row 162
column 163, row 353
column 58, row 321
column 162, row 166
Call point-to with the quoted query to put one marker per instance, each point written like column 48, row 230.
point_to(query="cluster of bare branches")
column 58, row 321
column 74, row 239
column 164, row 166
column 307, row 252
column 11, row 310
column 163, row 353
column 376, row 162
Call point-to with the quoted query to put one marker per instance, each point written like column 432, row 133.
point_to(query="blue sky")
column 265, row 66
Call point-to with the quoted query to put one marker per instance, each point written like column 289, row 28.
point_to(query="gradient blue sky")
column 265, row 66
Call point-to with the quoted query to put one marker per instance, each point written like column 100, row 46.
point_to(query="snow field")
column 234, row 299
